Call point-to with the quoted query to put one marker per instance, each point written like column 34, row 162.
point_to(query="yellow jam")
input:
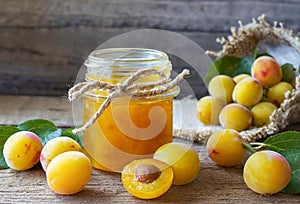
column 124, row 132
column 129, row 128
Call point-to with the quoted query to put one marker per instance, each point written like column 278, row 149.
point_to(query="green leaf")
column 288, row 72
column 45, row 129
column 255, row 53
column 69, row 133
column 284, row 141
column 5, row 133
column 46, row 132
column 293, row 157
column 265, row 99
column 229, row 65
column 29, row 124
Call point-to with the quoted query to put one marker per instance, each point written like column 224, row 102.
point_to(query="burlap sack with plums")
column 241, row 43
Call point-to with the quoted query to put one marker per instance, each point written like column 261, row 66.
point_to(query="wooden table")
column 214, row 184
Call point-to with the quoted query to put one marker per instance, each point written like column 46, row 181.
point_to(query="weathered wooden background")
column 43, row 43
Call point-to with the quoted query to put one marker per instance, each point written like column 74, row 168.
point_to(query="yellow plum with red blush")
column 266, row 172
column 225, row 147
column 55, row 147
column 267, row 71
column 22, row 150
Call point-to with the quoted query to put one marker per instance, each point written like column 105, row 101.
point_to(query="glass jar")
column 130, row 127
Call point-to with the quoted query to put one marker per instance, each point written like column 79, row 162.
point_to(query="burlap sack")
column 242, row 42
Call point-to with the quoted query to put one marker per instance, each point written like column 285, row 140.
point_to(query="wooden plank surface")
column 17, row 109
column 214, row 184
column 45, row 42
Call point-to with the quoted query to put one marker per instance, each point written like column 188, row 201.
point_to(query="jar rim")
column 126, row 55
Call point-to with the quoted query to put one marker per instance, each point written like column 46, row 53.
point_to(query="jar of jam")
column 130, row 127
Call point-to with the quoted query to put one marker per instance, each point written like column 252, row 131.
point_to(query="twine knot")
column 129, row 86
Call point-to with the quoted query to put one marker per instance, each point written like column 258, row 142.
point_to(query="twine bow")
column 129, row 86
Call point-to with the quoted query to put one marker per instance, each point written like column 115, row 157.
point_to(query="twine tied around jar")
column 129, row 86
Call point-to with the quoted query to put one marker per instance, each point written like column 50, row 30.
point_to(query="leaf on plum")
column 288, row 72
column 230, row 66
column 29, row 124
column 289, row 140
column 5, row 133
column 69, row 133
column 45, row 129
column 293, row 157
column 46, row 132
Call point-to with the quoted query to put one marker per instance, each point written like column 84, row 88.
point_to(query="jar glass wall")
column 130, row 127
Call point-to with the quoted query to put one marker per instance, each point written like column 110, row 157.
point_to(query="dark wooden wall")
column 43, row 43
